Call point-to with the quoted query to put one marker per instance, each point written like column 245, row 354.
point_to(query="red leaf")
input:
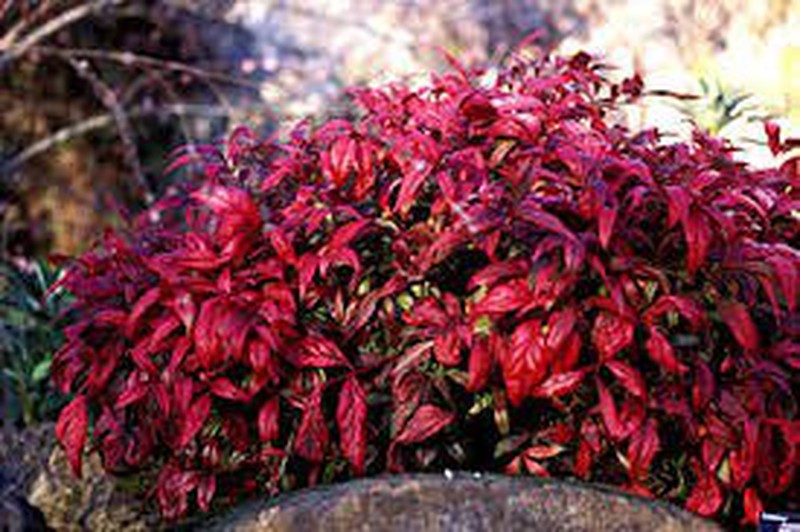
column 205, row 337
column 237, row 212
column 686, row 307
column 606, row 219
column 136, row 388
column 173, row 487
column 742, row 460
column 311, row 438
column 416, row 155
column 142, row 305
column 559, row 384
column 543, row 452
column 269, row 420
column 427, row 313
column 786, row 273
column 351, row 416
column 698, row 240
column 260, row 354
column 141, row 357
column 525, row 364
column 477, row 108
column 514, row 466
column 706, row 497
column 753, row 507
column 531, row 212
column 162, row 397
column 499, row 271
column 164, row 327
column 71, row 431
column 679, row 203
column 205, row 491
column 481, row 361
column 534, row 467
column 643, row 447
column 560, row 325
column 347, row 233
column 608, row 409
column 704, row 387
column 711, row 453
column 504, row 298
column 662, row 353
column 426, row 421
column 569, row 355
column 737, row 318
column 629, row 377
column 611, row 334
column 447, row 348
column 282, row 246
column 776, row 145
column 773, row 132
column 196, row 417
column 584, row 460
column 319, row 352
column 223, row 387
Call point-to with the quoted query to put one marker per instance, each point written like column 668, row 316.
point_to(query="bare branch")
column 109, row 98
column 133, row 59
column 62, row 135
column 104, row 120
column 67, row 18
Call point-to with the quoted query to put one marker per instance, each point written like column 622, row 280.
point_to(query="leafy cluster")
column 28, row 338
column 483, row 273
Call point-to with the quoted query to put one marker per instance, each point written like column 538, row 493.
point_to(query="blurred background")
column 95, row 95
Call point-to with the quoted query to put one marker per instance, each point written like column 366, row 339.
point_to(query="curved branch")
column 67, row 18
column 104, row 120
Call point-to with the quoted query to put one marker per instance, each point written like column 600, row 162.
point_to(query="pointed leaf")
column 426, row 421
column 630, row 378
column 643, row 447
column 504, row 298
column 606, row 219
column 481, row 361
column 737, row 318
column 311, row 438
column 206, row 488
column 351, row 417
column 560, row 384
column 611, row 334
column 706, row 497
column 662, row 353
column 269, row 420
column 608, row 410
column 71, row 431
column 196, row 417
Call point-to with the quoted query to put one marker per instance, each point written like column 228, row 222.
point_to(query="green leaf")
column 41, row 371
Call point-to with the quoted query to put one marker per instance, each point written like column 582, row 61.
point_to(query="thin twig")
column 67, row 18
column 133, row 59
column 62, row 135
column 27, row 19
column 109, row 98
column 105, row 120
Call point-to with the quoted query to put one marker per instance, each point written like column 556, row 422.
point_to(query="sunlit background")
column 96, row 94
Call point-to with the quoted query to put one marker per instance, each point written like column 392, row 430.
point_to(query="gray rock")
column 38, row 489
column 459, row 502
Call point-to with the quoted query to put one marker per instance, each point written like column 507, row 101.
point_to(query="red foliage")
column 482, row 273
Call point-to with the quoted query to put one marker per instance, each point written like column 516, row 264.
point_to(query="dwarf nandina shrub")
column 485, row 273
